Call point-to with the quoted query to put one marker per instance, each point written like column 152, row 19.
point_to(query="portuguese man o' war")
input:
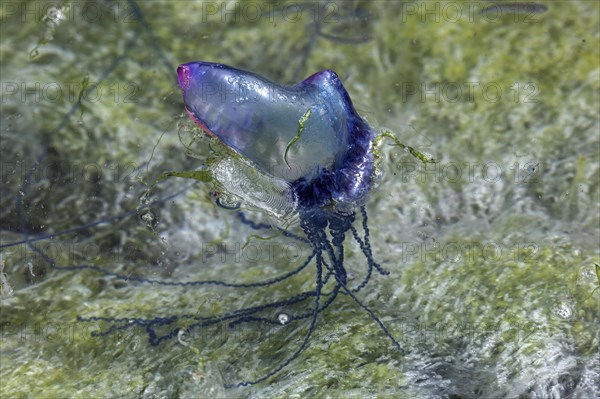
column 312, row 130
column 330, row 160
column 313, row 158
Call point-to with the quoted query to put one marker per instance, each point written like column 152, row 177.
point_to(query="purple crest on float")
column 331, row 161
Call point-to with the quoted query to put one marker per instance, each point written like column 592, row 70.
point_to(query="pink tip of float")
column 183, row 74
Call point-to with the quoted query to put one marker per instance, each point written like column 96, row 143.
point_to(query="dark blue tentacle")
column 367, row 244
column 264, row 226
column 331, row 297
column 338, row 226
column 319, row 279
column 375, row 318
column 131, row 277
column 202, row 321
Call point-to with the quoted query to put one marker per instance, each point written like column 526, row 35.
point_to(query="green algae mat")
column 492, row 251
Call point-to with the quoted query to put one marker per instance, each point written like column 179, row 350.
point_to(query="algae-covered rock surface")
column 492, row 251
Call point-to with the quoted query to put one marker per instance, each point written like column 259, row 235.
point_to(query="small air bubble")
column 283, row 319
column 180, row 334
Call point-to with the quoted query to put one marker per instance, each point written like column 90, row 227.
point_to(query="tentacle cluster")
column 328, row 256
column 324, row 231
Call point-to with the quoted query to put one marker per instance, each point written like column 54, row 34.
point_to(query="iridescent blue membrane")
column 331, row 162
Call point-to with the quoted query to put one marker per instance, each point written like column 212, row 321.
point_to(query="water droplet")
column 283, row 319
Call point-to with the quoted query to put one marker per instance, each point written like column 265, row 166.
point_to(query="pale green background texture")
column 492, row 251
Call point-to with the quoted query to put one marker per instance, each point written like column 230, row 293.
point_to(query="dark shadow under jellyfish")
column 299, row 154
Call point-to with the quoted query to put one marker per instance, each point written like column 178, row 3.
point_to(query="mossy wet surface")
column 492, row 276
